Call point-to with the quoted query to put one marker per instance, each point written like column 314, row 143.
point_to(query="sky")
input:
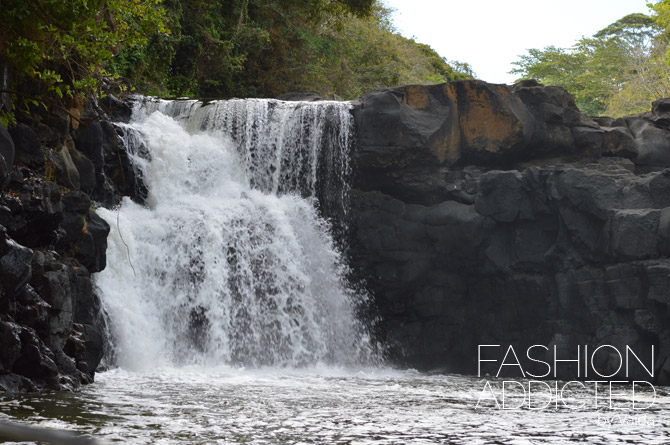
column 491, row 34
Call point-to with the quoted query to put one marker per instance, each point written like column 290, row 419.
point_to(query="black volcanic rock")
column 480, row 214
column 85, row 233
column 489, row 214
column 28, row 147
column 6, row 155
column 51, row 240
column 301, row 97
column 90, row 143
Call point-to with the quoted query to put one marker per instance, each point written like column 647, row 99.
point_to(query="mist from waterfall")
column 230, row 260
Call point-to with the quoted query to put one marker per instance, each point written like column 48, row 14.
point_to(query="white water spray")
column 231, row 262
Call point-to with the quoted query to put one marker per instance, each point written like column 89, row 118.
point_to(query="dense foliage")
column 226, row 48
column 57, row 49
column 359, row 54
column 618, row 71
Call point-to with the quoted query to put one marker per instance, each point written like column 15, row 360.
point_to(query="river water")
column 231, row 319
column 333, row 405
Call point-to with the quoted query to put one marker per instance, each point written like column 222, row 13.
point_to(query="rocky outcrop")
column 53, row 168
column 481, row 214
column 494, row 214
column 51, row 241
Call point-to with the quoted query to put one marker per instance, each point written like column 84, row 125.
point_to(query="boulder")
column 90, row 143
column 85, row 170
column 75, row 207
column 500, row 195
column 13, row 383
column 36, row 360
column 85, row 233
column 33, row 311
column 118, row 178
column 660, row 111
column 92, row 248
column 658, row 278
column 15, row 265
column 11, row 345
column 86, row 346
column 61, row 168
column 7, row 149
column 617, row 141
column 588, row 140
column 56, row 290
column 451, row 123
column 651, row 143
column 118, row 110
column 494, row 123
column 634, row 233
column 28, row 147
column 35, row 211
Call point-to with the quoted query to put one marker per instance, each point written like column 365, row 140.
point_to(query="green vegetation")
column 57, row 49
column 359, row 54
column 264, row 48
column 59, row 52
column 618, row 71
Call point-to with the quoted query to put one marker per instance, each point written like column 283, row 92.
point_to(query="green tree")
column 226, row 48
column 57, row 49
column 617, row 71
column 60, row 51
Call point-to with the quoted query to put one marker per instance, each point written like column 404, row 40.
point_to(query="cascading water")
column 229, row 260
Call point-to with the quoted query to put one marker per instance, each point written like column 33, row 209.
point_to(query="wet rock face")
column 573, row 255
column 7, row 151
column 50, row 242
column 115, row 176
column 52, row 169
column 85, row 233
column 29, row 150
column 490, row 214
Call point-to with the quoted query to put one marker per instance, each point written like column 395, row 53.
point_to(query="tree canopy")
column 57, row 49
column 225, row 48
column 618, row 71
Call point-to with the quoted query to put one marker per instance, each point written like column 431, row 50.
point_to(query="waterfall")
column 231, row 258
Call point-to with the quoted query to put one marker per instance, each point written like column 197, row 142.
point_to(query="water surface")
column 328, row 405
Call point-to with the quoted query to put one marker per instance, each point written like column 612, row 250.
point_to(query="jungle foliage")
column 264, row 48
column 618, row 71
column 57, row 51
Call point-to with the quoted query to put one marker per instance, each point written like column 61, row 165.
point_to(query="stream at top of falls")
column 231, row 319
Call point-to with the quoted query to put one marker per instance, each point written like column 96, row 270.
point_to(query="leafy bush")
column 57, row 50
column 618, row 71
column 226, row 48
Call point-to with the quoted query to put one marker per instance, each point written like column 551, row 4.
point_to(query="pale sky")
column 491, row 34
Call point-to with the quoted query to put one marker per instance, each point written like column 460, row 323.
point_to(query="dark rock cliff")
column 490, row 214
column 481, row 214
column 51, row 240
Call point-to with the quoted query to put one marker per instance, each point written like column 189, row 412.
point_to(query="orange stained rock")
column 488, row 123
